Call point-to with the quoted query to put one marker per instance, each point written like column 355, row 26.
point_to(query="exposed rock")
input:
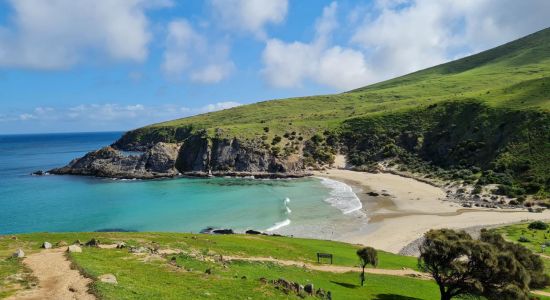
column 223, row 231
column 373, row 194
column 250, row 231
column 139, row 249
column 309, row 288
column 18, row 254
column 61, row 244
column 74, row 249
column 46, row 245
column 108, row 278
column 38, row 173
column 158, row 161
column 93, row 243
column 121, row 245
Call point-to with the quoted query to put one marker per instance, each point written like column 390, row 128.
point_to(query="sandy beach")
column 406, row 208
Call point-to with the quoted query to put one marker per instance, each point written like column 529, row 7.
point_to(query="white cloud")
column 54, row 34
column 408, row 35
column 291, row 64
column 212, row 73
column 113, row 113
column 219, row 106
column 189, row 54
column 250, row 15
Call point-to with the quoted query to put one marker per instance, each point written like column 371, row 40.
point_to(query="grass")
column 184, row 276
column 158, row 278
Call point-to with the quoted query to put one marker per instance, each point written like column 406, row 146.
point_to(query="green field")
column 183, row 276
column 160, row 278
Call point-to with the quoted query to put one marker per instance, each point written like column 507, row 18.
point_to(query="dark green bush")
column 538, row 225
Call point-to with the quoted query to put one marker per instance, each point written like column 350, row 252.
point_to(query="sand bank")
column 406, row 208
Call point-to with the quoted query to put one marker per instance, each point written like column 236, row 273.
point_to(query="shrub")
column 539, row 225
column 523, row 239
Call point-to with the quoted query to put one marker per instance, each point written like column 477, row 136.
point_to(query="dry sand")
column 413, row 208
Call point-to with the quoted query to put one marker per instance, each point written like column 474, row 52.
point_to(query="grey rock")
column 108, row 278
column 74, row 249
column 46, row 245
column 19, row 253
column 158, row 161
column 121, row 245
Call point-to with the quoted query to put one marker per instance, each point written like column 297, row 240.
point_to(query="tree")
column 462, row 266
column 532, row 263
column 367, row 256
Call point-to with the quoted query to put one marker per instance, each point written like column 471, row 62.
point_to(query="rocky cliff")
column 198, row 155
column 158, row 161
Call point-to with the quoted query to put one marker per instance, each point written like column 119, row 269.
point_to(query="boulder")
column 121, row 245
column 74, row 249
column 18, row 254
column 252, row 232
column 373, row 194
column 108, row 278
column 93, row 243
column 38, row 173
column 223, row 231
column 309, row 288
column 61, row 244
column 46, row 245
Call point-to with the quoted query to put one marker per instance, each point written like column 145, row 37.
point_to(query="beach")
column 406, row 208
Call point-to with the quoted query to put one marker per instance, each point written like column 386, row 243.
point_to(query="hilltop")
column 483, row 119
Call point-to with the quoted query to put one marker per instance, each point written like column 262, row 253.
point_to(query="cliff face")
column 158, row 161
column 197, row 156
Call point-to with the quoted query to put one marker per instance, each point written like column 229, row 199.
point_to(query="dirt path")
column 333, row 268
column 56, row 279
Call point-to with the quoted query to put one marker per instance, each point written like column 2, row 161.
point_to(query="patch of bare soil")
column 56, row 279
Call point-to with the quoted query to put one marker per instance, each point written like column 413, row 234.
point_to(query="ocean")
column 56, row 203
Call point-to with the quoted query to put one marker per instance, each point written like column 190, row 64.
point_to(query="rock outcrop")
column 158, row 161
column 198, row 155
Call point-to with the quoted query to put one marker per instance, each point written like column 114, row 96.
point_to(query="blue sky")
column 85, row 65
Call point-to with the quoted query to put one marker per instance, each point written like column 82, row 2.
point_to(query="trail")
column 333, row 268
column 56, row 279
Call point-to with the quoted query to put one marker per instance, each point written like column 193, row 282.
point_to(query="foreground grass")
column 183, row 276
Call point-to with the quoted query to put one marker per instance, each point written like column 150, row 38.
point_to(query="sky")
column 115, row 65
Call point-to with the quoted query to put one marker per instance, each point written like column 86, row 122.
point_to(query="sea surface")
column 56, row 203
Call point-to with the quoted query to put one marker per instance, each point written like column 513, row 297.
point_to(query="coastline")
column 406, row 208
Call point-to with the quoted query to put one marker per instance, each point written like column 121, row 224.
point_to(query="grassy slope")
column 512, row 76
column 140, row 279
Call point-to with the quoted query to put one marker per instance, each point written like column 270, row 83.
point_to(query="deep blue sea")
column 75, row 203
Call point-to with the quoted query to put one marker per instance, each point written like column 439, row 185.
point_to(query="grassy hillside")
column 486, row 112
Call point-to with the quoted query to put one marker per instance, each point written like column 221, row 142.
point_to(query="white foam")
column 341, row 196
column 279, row 225
column 288, row 210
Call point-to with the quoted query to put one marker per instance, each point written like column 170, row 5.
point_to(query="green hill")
column 483, row 118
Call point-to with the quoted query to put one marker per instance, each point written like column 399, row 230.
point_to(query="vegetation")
column 489, row 267
column 184, row 276
column 483, row 119
column 540, row 225
column 367, row 256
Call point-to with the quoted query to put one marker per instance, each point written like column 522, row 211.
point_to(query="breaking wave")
column 341, row 196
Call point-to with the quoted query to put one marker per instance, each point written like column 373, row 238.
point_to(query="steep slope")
column 483, row 118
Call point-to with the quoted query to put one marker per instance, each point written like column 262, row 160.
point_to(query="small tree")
column 367, row 256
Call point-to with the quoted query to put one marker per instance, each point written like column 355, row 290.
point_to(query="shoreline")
column 406, row 208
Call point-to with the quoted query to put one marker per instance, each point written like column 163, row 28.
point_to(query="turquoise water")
column 73, row 203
